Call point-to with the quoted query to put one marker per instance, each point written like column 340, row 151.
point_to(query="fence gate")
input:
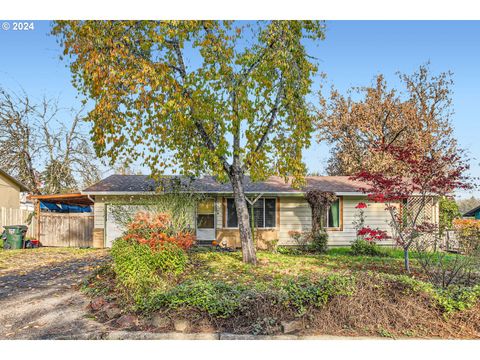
column 66, row 230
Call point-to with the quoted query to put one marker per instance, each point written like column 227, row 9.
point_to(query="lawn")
column 274, row 266
column 25, row 260
column 333, row 293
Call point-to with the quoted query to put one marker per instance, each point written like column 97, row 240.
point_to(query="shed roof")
column 138, row 184
column 69, row 199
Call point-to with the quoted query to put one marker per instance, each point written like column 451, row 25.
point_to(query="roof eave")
column 278, row 193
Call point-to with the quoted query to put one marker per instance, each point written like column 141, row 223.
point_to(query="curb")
column 143, row 335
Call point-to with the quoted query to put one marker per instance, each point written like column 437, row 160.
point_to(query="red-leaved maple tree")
column 430, row 175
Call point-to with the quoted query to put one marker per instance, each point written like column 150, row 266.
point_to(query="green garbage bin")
column 15, row 236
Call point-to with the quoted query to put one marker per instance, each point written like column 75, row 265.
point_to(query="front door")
column 206, row 221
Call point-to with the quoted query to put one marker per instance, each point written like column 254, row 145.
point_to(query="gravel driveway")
column 45, row 303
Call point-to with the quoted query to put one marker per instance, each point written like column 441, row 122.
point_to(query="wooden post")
column 37, row 215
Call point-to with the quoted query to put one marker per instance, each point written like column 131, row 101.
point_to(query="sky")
column 352, row 54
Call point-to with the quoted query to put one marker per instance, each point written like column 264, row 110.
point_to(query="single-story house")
column 279, row 208
column 10, row 191
column 474, row 213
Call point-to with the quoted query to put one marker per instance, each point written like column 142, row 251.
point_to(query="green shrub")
column 222, row 299
column 140, row 269
column 215, row 297
column 319, row 241
column 304, row 292
column 362, row 247
column 454, row 298
column 457, row 298
column 307, row 242
column 289, row 250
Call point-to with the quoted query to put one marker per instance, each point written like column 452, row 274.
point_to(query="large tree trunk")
column 246, row 238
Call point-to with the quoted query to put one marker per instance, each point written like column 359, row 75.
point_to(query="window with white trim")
column 264, row 213
column 206, row 214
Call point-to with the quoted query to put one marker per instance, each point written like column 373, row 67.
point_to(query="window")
column 206, row 214
column 333, row 215
column 264, row 213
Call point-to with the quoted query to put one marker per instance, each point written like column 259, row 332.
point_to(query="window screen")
column 257, row 213
column 270, row 213
column 264, row 213
column 232, row 220
column 205, row 221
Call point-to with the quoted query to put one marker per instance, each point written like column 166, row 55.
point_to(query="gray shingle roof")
column 208, row 184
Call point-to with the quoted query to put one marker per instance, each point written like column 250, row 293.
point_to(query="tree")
column 213, row 96
column 430, row 176
column 448, row 211
column 419, row 113
column 42, row 149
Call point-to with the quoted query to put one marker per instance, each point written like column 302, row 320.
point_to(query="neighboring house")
column 279, row 209
column 10, row 190
column 474, row 213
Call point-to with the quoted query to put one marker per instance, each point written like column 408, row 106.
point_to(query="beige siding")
column 219, row 212
column 295, row 214
column 375, row 216
column 9, row 194
column 99, row 213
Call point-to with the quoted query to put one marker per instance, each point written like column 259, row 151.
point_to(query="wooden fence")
column 9, row 216
column 66, row 230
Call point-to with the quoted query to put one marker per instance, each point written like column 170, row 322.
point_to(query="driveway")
column 44, row 301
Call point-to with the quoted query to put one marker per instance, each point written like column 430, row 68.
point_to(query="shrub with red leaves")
column 156, row 230
column 361, row 205
column 372, row 235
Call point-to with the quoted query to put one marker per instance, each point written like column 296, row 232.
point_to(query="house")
column 10, row 191
column 474, row 213
column 279, row 208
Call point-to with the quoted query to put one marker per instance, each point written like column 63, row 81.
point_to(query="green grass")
column 275, row 267
column 229, row 267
